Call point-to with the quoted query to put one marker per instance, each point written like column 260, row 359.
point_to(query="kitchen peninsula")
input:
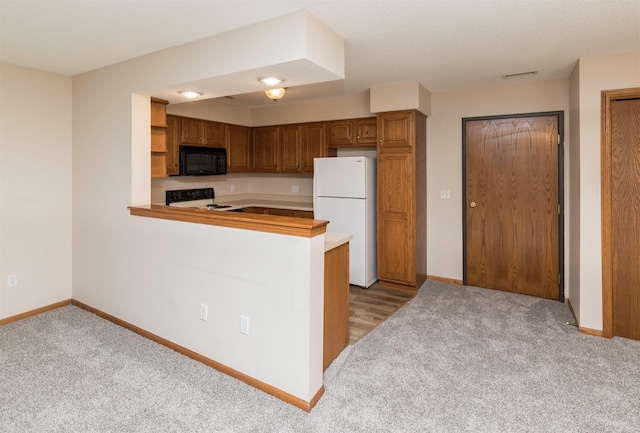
column 285, row 274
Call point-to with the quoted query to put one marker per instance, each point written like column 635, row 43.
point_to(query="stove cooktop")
column 199, row 198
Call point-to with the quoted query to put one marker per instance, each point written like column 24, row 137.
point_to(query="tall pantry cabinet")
column 402, row 199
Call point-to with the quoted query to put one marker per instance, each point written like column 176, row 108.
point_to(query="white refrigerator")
column 344, row 193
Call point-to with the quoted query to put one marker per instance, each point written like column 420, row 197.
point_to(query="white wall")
column 211, row 109
column 595, row 74
column 444, row 156
column 155, row 273
column 347, row 107
column 35, row 182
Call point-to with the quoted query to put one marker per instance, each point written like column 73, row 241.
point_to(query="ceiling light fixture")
column 271, row 81
column 276, row 93
column 190, row 94
column 520, row 74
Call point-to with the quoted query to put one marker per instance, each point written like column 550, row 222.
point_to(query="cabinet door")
column 366, row 132
column 237, row 139
column 173, row 145
column 213, row 134
column 340, row 133
column 281, row 212
column 396, row 131
column 303, row 214
column 290, row 148
column 256, row 209
column 313, row 145
column 192, row 131
column 396, row 210
column 265, row 150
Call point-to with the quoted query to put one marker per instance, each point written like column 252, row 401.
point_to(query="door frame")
column 607, row 97
column 560, row 116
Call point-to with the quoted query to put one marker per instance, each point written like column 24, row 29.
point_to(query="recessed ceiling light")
column 190, row 94
column 520, row 74
column 271, row 81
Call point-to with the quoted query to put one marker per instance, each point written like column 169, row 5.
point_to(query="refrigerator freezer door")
column 340, row 177
column 349, row 216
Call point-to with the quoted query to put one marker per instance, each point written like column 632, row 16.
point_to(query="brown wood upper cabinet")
column 290, row 143
column 300, row 144
column 199, row 132
column 238, row 143
column 266, row 149
column 313, row 144
column 353, row 132
column 269, row 149
column 402, row 210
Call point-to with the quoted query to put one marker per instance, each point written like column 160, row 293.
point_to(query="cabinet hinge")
column 558, row 208
column 559, row 279
column 558, row 138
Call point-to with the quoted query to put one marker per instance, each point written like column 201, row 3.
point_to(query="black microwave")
column 202, row 161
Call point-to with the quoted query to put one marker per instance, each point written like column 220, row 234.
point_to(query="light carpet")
column 454, row 359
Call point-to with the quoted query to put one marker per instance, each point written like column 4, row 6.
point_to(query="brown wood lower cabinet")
column 279, row 212
column 336, row 303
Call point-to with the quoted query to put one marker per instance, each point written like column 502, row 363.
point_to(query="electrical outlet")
column 232, row 188
column 12, row 281
column 294, row 188
column 445, row 194
column 204, row 312
column 244, row 325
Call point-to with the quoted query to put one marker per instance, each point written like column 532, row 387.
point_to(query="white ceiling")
column 442, row 44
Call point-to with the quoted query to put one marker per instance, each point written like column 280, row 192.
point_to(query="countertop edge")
column 334, row 240
column 302, row 227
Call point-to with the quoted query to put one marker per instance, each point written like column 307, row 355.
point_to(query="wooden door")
column 192, row 131
column 265, row 149
column 290, row 148
column 313, row 145
column 214, row 134
column 367, row 132
column 621, row 214
column 237, row 139
column 173, row 145
column 396, row 210
column 340, row 133
column 512, row 204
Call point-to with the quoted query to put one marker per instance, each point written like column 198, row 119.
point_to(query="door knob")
column 472, row 204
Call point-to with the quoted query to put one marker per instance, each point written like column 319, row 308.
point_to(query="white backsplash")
column 275, row 183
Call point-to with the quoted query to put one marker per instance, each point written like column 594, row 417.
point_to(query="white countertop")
column 292, row 202
column 280, row 201
column 334, row 240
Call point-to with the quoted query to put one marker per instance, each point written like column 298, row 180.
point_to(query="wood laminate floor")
column 370, row 307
